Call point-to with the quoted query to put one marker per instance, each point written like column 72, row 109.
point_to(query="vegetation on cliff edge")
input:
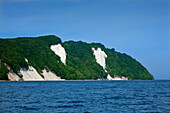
column 80, row 63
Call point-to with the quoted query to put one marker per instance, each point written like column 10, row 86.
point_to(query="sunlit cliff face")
column 30, row 74
column 60, row 51
column 48, row 75
column 100, row 57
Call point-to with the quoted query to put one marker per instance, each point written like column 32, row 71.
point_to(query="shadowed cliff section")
column 80, row 61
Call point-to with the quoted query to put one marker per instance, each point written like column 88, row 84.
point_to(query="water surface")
column 85, row 96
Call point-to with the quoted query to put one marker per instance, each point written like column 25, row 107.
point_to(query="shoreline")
column 68, row 80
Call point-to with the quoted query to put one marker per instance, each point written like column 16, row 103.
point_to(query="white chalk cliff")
column 116, row 78
column 100, row 57
column 60, row 51
column 48, row 75
column 13, row 77
column 30, row 74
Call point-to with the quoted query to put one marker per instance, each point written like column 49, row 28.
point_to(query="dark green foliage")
column 36, row 50
column 11, row 54
column 81, row 63
column 80, row 57
column 3, row 71
column 123, row 65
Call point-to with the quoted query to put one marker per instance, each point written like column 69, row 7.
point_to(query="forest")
column 80, row 61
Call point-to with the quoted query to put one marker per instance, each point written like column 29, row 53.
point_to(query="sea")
column 85, row 96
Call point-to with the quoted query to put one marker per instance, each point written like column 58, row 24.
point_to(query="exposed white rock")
column 109, row 77
column 100, row 57
column 60, row 51
column 30, row 74
column 26, row 60
column 13, row 77
column 124, row 78
column 48, row 75
column 7, row 66
column 116, row 78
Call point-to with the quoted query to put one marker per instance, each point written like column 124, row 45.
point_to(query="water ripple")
column 85, row 96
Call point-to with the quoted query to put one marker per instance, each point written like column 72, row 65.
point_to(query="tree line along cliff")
column 80, row 60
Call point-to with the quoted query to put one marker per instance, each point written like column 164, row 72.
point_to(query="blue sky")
column 140, row 28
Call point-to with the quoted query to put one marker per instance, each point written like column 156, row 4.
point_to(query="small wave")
column 52, row 106
column 75, row 102
column 35, row 102
column 65, row 106
column 116, row 97
column 29, row 108
column 60, row 101
column 79, row 105
column 86, row 112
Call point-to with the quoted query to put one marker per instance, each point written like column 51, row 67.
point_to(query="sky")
column 139, row 28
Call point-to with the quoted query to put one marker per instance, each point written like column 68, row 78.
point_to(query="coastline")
column 71, row 80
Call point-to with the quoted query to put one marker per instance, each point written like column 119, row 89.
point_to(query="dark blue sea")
column 85, row 97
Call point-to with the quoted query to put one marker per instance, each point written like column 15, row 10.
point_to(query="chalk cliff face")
column 30, row 74
column 116, row 77
column 13, row 77
column 100, row 57
column 48, row 75
column 60, row 51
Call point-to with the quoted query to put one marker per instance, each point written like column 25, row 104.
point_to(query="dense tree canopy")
column 81, row 63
